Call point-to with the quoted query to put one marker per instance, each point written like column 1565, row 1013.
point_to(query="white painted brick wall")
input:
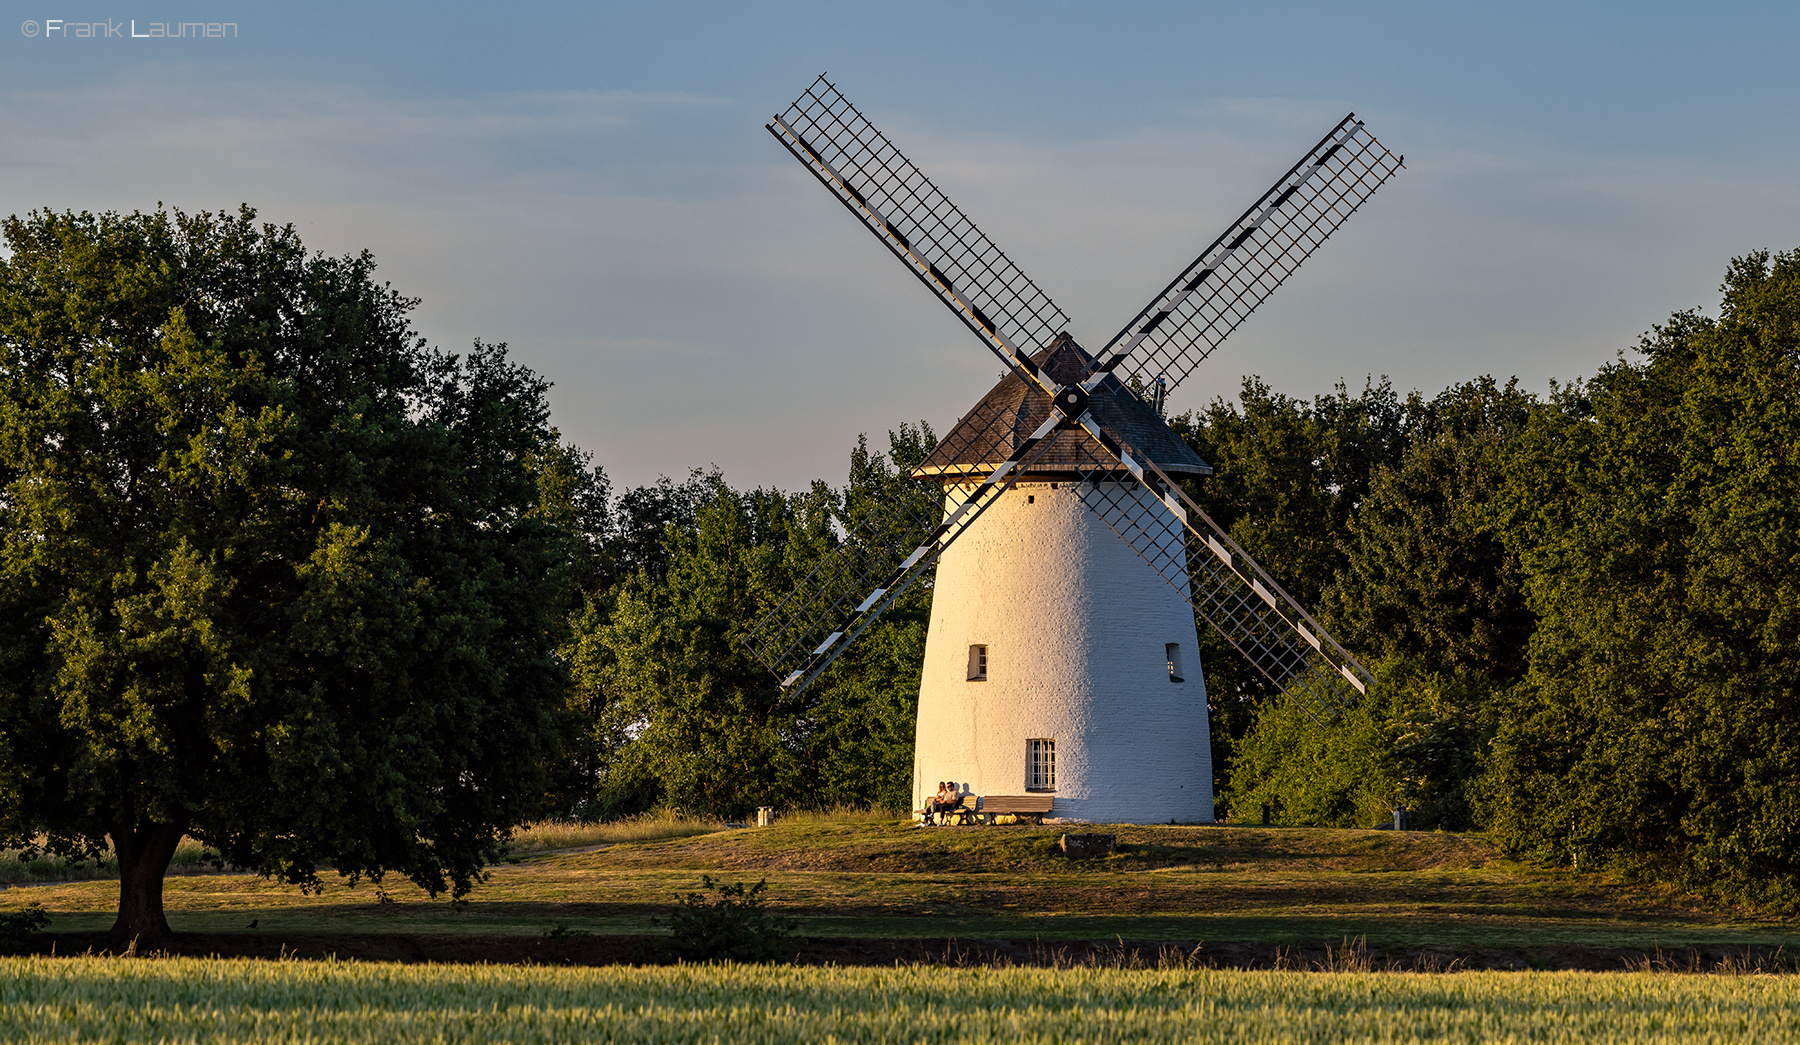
column 1075, row 623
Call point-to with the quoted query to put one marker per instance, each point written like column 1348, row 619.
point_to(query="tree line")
column 281, row 577
column 1583, row 608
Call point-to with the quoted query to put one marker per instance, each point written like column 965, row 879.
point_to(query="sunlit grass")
column 663, row 824
column 554, row 835
column 849, row 873
column 190, row 856
column 840, row 815
column 209, row 1000
column 544, row 836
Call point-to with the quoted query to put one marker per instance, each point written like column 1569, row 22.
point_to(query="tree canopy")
column 276, row 575
column 1656, row 512
column 680, row 713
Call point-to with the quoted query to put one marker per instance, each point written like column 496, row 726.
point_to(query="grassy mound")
column 865, row 878
column 897, row 847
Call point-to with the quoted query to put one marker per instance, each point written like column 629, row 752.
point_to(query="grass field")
column 193, row 858
column 205, row 1001
column 865, row 877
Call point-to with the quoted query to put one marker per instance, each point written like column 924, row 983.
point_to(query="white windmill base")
column 1077, row 630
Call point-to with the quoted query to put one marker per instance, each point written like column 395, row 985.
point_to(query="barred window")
column 1040, row 765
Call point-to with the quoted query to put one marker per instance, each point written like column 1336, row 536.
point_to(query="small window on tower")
column 1172, row 652
column 1040, row 765
column 977, row 663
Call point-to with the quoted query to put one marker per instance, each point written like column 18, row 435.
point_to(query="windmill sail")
column 1200, row 308
column 1227, row 588
column 936, row 241
column 883, row 555
column 801, row 636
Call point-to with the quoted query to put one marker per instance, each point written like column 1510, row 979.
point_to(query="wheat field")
column 229, row 1001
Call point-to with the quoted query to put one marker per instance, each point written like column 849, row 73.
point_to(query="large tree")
column 276, row 575
column 1656, row 512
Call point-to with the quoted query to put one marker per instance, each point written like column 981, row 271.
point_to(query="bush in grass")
column 733, row 926
column 15, row 926
column 1417, row 740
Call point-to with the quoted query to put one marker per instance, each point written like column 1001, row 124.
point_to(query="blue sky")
column 593, row 185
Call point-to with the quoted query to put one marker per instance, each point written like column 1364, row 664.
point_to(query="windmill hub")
column 1072, row 402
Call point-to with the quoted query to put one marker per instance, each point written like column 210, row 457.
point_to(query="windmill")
column 1070, row 566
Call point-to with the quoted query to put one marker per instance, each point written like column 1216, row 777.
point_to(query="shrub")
column 15, row 926
column 734, row 926
column 1416, row 740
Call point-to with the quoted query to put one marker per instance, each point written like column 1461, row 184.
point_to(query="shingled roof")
column 1012, row 410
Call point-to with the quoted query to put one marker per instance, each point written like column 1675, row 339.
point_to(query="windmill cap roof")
column 987, row 435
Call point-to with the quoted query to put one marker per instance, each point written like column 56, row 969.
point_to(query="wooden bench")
column 1025, row 807
column 964, row 814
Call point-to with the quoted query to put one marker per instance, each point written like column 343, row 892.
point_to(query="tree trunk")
column 144, row 852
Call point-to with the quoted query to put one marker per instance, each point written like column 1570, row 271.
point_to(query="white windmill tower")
column 1070, row 565
column 1057, row 660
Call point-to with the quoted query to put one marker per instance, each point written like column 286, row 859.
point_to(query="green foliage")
column 701, row 718
column 734, row 925
column 637, row 538
column 1315, row 775
column 858, row 746
column 1438, row 738
column 1656, row 513
column 1415, row 741
column 274, row 573
column 679, row 712
column 1289, row 476
column 1425, row 577
column 16, row 926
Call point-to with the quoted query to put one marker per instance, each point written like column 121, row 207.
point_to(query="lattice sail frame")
column 1226, row 587
column 936, row 241
column 806, row 632
column 860, row 579
column 1200, row 308
column 802, row 636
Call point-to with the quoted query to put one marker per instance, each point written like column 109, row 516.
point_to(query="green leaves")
column 1425, row 576
column 1415, row 742
column 734, row 925
column 680, row 713
column 275, row 573
column 1655, row 512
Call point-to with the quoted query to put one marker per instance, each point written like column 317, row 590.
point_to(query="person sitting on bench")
column 946, row 799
